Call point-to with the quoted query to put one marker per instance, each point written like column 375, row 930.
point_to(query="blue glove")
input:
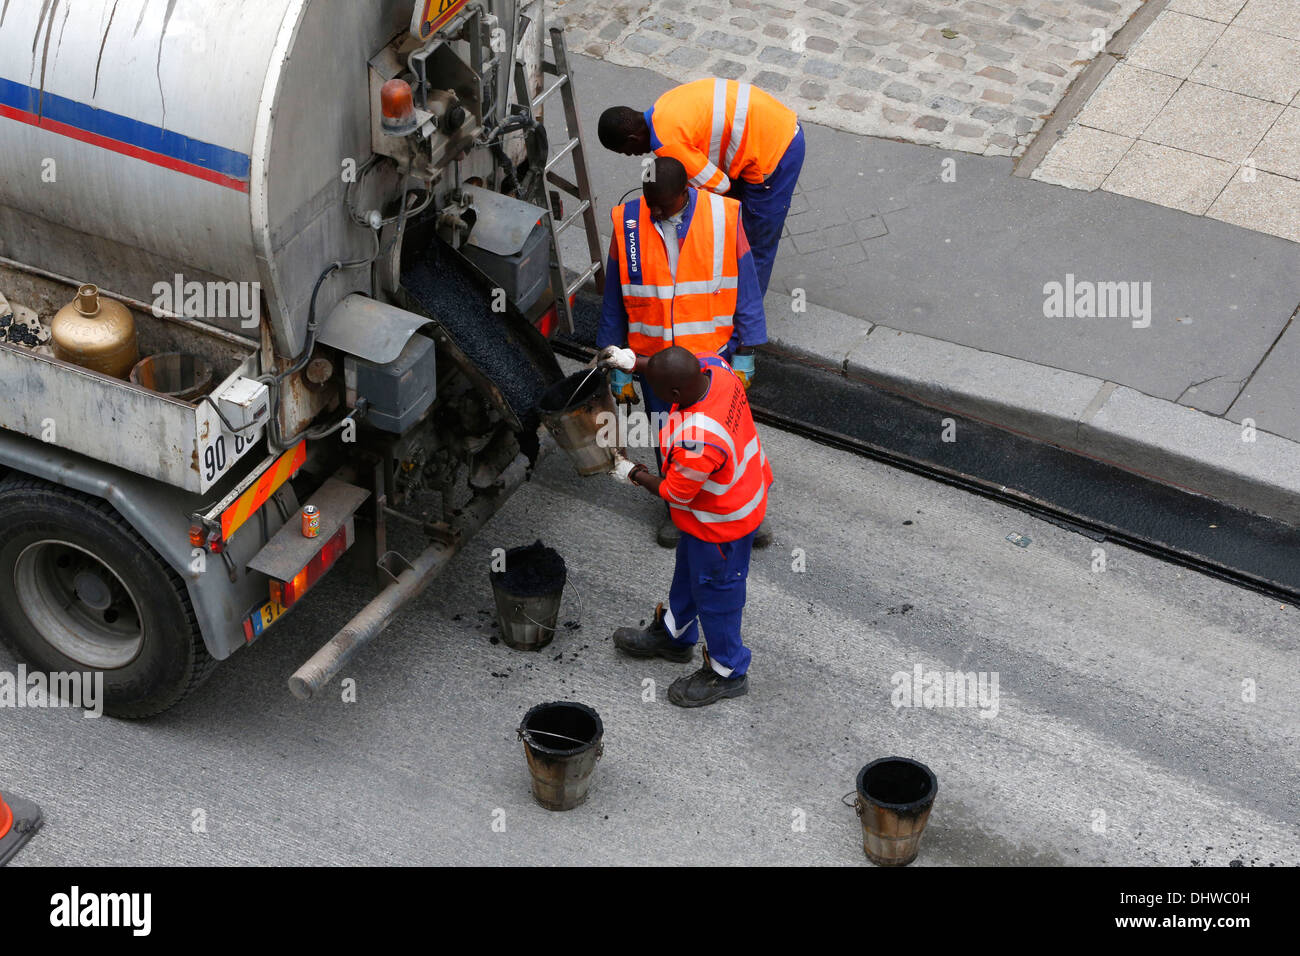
column 743, row 365
column 620, row 383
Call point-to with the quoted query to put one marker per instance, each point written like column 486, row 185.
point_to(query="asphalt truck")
column 270, row 271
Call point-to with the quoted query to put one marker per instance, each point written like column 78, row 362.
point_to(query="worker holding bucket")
column 684, row 277
column 715, row 481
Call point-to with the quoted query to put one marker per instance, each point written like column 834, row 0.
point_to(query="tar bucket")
column 562, row 742
column 893, row 803
column 176, row 374
column 527, row 594
column 575, row 411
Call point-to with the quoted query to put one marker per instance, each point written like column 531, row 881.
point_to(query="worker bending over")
column 680, row 273
column 734, row 139
column 715, row 481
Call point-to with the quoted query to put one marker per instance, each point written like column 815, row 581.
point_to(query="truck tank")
column 208, row 139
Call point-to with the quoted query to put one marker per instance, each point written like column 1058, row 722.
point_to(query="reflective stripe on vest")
column 721, row 132
column 733, row 500
column 697, row 311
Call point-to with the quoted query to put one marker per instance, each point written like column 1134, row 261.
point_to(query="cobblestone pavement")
column 974, row 75
column 1202, row 115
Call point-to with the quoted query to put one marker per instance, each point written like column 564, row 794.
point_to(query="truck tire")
column 80, row 591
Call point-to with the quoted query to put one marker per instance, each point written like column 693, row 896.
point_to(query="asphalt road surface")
column 1121, row 734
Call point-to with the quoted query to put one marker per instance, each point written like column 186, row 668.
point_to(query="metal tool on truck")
column 335, row 225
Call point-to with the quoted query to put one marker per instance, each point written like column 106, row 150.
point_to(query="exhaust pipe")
column 320, row 669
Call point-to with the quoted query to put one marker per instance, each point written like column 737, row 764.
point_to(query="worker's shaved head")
column 665, row 187
column 676, row 376
column 624, row 130
column 664, row 178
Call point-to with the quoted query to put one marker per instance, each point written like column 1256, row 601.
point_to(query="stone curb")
column 1171, row 443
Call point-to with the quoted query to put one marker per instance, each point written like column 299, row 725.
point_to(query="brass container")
column 95, row 333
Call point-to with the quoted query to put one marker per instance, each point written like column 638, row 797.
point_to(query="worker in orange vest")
column 715, row 481
column 734, row 139
column 680, row 273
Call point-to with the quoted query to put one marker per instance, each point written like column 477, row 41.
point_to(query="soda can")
column 310, row 521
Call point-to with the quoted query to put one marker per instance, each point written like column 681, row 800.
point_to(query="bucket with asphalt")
column 562, row 742
column 893, row 803
column 527, row 595
column 574, row 411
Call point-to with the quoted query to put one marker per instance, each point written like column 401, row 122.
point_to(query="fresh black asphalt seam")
column 1094, row 498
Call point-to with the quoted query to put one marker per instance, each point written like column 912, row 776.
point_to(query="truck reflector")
column 431, row 15
column 246, row 505
column 285, row 593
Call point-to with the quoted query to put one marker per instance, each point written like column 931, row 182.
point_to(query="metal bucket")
column 527, row 593
column 527, row 623
column 893, row 803
column 562, row 742
column 178, row 375
column 574, row 412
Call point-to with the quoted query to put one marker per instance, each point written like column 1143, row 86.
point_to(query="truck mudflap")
column 498, row 349
column 371, row 621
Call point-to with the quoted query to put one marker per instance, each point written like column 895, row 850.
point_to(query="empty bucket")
column 893, row 802
column 527, row 595
column 573, row 411
column 178, row 375
column 562, row 742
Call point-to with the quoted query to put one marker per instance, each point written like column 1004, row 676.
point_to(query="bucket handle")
column 523, row 735
column 519, row 609
column 582, row 384
column 856, row 804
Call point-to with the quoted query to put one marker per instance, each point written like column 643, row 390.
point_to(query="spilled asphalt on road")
column 1123, row 731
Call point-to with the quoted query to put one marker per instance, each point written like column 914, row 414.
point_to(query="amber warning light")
column 397, row 107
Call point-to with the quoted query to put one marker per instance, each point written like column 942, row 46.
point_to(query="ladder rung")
column 569, row 147
column 581, row 280
column 551, row 68
column 582, row 207
column 541, row 97
column 555, row 179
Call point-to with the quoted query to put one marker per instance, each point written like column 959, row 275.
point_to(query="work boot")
column 669, row 534
column 763, row 536
column 653, row 641
column 706, row 686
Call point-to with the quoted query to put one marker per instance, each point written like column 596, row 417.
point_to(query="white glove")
column 611, row 356
column 622, row 468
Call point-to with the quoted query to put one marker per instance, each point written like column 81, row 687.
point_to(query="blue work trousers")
column 764, row 207
column 708, row 592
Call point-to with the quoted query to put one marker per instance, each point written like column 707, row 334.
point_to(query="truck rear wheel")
column 81, row 591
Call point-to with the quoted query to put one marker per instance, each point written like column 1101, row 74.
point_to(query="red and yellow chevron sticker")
column 246, row 505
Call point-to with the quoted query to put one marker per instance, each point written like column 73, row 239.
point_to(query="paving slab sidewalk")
column 934, row 272
column 1201, row 114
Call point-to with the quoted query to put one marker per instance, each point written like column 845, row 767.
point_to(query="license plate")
column 265, row 616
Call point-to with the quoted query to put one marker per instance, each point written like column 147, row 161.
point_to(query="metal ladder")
column 581, row 190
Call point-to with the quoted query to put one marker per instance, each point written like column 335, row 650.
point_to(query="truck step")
column 288, row 552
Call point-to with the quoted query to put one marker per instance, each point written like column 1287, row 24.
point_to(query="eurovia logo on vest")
column 633, row 255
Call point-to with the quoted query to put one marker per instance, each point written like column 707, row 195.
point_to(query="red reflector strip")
column 285, row 593
column 547, row 323
column 246, row 505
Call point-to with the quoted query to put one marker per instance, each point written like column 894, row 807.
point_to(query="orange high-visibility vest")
column 733, row 499
column 697, row 308
column 722, row 130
